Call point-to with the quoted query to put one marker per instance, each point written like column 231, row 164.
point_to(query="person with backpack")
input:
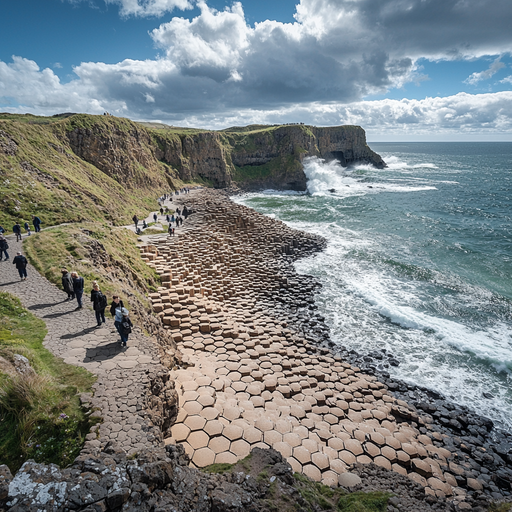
column 21, row 264
column 99, row 303
column 27, row 228
column 16, row 229
column 123, row 324
column 78, row 287
column 67, row 284
column 3, row 247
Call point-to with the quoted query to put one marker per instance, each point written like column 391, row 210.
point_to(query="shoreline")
column 289, row 303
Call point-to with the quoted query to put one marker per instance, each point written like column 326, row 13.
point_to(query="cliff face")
column 89, row 166
column 273, row 157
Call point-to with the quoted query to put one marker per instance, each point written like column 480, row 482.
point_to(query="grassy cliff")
column 78, row 167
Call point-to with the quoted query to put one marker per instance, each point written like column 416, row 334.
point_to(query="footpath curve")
column 125, row 377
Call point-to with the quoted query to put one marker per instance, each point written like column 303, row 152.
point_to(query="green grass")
column 101, row 253
column 218, row 468
column 500, row 507
column 317, row 495
column 364, row 502
column 40, row 415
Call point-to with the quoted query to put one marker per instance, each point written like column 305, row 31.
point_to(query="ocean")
column 419, row 263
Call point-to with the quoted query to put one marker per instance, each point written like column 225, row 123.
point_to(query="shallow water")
column 419, row 262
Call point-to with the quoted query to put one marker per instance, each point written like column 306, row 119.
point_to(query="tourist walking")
column 27, row 228
column 170, row 230
column 155, row 217
column 67, row 284
column 135, row 221
column 144, row 225
column 2, row 230
column 78, row 287
column 37, row 223
column 99, row 303
column 115, row 304
column 16, row 229
column 3, row 248
column 21, row 264
column 123, row 324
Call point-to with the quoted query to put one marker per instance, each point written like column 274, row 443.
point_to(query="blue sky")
column 402, row 69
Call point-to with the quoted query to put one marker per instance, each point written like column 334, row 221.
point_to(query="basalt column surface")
column 252, row 378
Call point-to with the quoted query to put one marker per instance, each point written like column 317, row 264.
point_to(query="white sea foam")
column 330, row 178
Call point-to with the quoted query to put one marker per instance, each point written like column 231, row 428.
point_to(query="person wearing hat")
column 21, row 264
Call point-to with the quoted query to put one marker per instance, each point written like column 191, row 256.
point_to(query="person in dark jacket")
column 21, row 264
column 27, row 228
column 3, row 248
column 116, row 303
column 2, row 230
column 37, row 223
column 135, row 221
column 67, row 284
column 99, row 303
column 124, row 324
column 155, row 217
column 16, row 229
column 78, row 287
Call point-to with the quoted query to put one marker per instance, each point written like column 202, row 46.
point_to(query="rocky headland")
column 238, row 371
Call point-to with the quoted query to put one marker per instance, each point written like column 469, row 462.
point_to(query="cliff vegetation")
column 76, row 167
column 40, row 413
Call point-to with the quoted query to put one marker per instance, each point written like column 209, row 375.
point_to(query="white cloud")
column 506, row 80
column 216, row 69
column 474, row 78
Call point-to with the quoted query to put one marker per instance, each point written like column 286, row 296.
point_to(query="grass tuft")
column 41, row 417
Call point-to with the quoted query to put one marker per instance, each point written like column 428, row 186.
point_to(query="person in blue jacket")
column 16, row 229
column 37, row 223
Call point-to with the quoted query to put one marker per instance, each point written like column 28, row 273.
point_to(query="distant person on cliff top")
column 78, row 287
column 167, row 218
column 144, row 225
column 16, row 229
column 21, row 265
column 161, row 211
column 67, row 284
column 37, row 223
column 27, row 228
column 155, row 216
column 99, row 303
column 3, row 248
column 135, row 221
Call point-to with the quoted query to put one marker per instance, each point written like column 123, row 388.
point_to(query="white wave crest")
column 330, row 178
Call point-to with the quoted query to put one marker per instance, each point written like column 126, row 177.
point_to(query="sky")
column 404, row 70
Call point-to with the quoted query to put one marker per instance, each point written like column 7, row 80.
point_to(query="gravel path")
column 124, row 374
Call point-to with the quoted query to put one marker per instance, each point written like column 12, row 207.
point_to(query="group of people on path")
column 16, row 229
column 73, row 285
column 170, row 218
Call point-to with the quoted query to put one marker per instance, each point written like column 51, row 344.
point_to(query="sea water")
column 419, row 262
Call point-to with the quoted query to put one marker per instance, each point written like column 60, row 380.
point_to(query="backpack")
column 126, row 326
column 102, row 301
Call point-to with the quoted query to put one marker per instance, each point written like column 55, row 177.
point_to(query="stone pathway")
column 253, row 381
column 121, row 392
